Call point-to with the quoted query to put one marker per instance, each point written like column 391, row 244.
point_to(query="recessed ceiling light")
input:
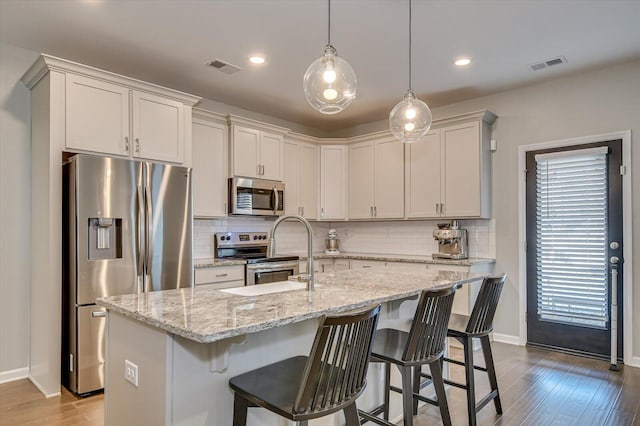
column 257, row 59
column 461, row 62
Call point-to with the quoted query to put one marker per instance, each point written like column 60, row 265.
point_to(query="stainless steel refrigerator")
column 127, row 228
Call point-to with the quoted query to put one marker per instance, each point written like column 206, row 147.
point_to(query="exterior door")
column 574, row 228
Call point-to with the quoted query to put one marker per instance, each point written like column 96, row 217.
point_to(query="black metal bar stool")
column 423, row 344
column 464, row 329
column 328, row 380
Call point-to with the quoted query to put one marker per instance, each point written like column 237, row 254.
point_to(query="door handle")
column 149, row 227
column 141, row 231
column 99, row 314
column 221, row 275
column 614, row 261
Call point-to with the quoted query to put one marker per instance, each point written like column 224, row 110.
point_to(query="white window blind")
column 571, row 237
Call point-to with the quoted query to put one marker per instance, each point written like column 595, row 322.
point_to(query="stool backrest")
column 336, row 370
column 429, row 326
column 481, row 319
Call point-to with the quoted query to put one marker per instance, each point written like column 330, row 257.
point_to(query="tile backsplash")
column 393, row 237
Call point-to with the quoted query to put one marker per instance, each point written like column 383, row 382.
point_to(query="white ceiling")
column 168, row 42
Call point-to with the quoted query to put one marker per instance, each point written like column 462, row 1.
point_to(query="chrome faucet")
column 308, row 277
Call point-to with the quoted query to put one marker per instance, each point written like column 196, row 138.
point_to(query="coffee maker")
column 452, row 241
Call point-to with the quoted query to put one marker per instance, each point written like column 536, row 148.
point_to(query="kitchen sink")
column 260, row 289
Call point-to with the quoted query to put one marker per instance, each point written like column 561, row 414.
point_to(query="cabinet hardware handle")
column 221, row 275
column 263, row 170
column 126, row 143
column 137, row 145
column 375, row 211
column 371, row 211
column 366, row 266
column 302, row 211
column 258, row 169
column 99, row 314
column 437, row 208
column 322, row 211
column 441, row 209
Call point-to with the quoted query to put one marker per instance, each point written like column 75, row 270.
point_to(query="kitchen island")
column 186, row 344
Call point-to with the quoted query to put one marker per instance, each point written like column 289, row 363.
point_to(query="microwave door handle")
column 275, row 206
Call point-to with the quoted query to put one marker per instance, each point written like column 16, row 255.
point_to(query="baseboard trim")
column 633, row 362
column 507, row 338
column 13, row 375
column 41, row 389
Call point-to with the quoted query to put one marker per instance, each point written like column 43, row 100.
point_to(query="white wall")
column 15, row 204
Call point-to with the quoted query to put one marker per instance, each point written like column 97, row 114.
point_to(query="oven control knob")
column 255, row 237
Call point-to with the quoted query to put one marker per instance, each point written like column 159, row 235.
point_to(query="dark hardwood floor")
column 538, row 387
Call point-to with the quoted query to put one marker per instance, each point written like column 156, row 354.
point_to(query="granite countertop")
column 206, row 315
column 408, row 258
column 211, row 262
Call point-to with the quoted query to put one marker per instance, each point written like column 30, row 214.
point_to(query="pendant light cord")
column 329, row 25
column 410, row 44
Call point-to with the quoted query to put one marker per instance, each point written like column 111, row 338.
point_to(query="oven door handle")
column 270, row 267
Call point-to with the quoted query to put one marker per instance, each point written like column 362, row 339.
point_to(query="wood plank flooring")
column 537, row 387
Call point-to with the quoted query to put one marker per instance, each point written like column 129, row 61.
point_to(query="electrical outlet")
column 131, row 372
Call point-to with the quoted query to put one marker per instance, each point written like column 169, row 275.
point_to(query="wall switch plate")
column 131, row 372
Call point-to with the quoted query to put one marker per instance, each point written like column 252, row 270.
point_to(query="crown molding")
column 46, row 63
column 203, row 114
column 255, row 124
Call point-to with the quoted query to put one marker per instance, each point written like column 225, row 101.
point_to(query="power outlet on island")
column 131, row 372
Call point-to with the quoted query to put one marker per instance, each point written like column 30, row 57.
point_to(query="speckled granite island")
column 187, row 343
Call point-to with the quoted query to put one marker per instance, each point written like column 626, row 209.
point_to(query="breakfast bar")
column 171, row 353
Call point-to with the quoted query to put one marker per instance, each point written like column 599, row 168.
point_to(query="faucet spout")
column 309, row 278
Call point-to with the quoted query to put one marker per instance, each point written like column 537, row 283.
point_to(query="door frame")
column 627, row 232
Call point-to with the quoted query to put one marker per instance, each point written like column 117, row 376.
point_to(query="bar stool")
column 328, row 380
column 464, row 329
column 423, row 344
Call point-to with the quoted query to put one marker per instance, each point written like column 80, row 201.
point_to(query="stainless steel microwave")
column 257, row 197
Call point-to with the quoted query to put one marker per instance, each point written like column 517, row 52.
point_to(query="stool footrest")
column 484, row 401
column 371, row 416
column 456, row 384
column 455, row 361
column 425, row 399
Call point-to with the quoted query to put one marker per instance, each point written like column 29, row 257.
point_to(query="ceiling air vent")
column 223, row 66
column 548, row 63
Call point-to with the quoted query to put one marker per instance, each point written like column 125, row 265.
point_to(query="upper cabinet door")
column 462, row 180
column 423, row 166
column 271, row 156
column 209, row 174
column 158, row 128
column 245, row 151
column 389, row 180
column 309, row 162
column 292, row 178
column 333, row 182
column 361, row 180
column 97, row 116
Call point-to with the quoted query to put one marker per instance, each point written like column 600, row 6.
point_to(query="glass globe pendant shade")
column 410, row 119
column 329, row 83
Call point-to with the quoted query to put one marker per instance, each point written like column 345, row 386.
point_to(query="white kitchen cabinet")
column 209, row 175
column 376, row 178
column 220, row 277
column 333, row 182
column 448, row 173
column 301, row 176
column 256, row 149
column 113, row 118
column 158, row 128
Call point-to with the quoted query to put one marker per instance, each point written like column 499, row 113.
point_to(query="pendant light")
column 410, row 119
column 330, row 82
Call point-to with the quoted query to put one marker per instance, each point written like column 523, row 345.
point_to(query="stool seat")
column 275, row 385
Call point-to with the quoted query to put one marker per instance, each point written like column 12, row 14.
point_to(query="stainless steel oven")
column 252, row 248
column 257, row 197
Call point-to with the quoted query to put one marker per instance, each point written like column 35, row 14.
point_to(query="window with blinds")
column 571, row 237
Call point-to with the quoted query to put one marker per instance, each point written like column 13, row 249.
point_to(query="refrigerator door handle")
column 149, row 231
column 142, row 246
